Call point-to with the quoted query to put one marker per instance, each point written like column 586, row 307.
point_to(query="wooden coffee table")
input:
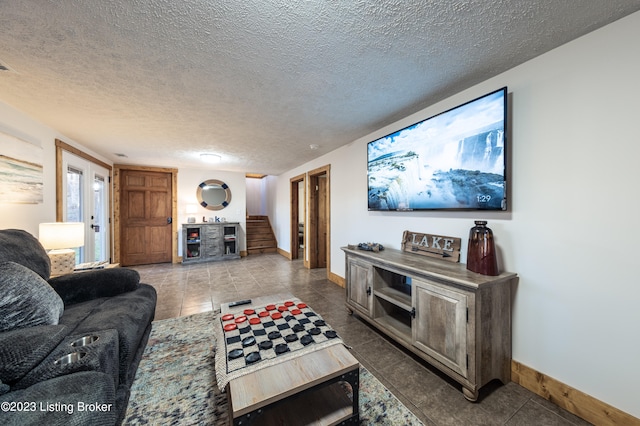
column 304, row 390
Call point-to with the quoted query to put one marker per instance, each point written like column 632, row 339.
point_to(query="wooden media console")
column 456, row 320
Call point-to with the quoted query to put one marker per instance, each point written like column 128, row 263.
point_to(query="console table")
column 456, row 320
column 206, row 242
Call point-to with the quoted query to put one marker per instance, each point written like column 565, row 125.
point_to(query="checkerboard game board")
column 272, row 331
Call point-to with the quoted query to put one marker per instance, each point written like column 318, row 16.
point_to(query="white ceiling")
column 259, row 81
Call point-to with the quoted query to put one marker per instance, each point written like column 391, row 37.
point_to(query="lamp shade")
column 61, row 235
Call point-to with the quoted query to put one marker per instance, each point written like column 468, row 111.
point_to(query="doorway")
column 83, row 195
column 319, row 235
column 298, row 214
column 145, row 204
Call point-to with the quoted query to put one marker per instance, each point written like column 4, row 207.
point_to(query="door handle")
column 169, row 220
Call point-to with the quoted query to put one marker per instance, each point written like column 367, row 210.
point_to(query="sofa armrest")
column 89, row 285
column 83, row 398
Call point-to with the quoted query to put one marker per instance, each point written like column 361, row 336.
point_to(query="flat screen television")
column 455, row 160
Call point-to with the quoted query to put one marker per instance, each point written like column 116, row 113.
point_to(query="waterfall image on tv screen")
column 454, row 160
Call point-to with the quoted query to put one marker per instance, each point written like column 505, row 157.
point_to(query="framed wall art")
column 21, row 170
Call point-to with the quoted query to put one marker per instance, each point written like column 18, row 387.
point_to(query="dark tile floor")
column 435, row 399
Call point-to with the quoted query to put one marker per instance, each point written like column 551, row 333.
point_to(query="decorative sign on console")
column 438, row 246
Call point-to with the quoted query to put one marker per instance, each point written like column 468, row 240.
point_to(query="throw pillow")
column 26, row 299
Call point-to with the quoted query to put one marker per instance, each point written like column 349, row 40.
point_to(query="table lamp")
column 59, row 239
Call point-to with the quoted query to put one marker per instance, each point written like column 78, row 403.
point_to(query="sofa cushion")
column 128, row 313
column 90, row 285
column 21, row 350
column 21, row 247
column 26, row 299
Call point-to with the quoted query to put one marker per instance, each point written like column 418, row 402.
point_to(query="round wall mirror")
column 213, row 194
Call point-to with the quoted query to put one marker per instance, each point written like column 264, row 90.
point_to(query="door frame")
column 312, row 227
column 118, row 168
column 294, row 183
column 60, row 172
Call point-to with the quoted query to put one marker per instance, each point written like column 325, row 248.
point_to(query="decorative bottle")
column 481, row 253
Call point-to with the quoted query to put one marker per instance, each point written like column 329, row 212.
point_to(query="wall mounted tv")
column 455, row 160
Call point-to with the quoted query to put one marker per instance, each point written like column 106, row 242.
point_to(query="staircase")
column 260, row 238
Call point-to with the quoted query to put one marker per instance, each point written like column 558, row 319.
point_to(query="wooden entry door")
column 145, row 217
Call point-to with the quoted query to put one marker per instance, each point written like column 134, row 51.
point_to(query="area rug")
column 176, row 382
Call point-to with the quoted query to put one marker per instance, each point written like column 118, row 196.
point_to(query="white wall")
column 188, row 181
column 28, row 216
column 572, row 233
column 256, row 197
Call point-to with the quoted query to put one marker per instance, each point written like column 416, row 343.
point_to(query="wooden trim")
column 116, row 214
column 82, row 154
column 175, row 257
column 146, row 168
column 324, row 170
column 576, row 402
column 328, row 169
column 337, row 279
column 320, row 170
column 59, row 183
column 63, row 146
column 295, row 214
column 284, row 253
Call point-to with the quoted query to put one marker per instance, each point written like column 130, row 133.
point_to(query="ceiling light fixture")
column 210, row 158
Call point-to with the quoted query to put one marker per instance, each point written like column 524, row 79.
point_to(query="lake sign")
column 438, row 246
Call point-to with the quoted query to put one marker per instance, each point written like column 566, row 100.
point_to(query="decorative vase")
column 481, row 253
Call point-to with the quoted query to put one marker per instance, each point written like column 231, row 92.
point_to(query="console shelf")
column 395, row 296
column 455, row 319
column 206, row 242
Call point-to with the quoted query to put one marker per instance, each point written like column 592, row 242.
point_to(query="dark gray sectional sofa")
column 69, row 345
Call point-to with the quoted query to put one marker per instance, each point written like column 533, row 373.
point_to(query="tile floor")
column 434, row 398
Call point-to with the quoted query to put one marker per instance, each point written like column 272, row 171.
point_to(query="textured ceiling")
column 259, row 81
